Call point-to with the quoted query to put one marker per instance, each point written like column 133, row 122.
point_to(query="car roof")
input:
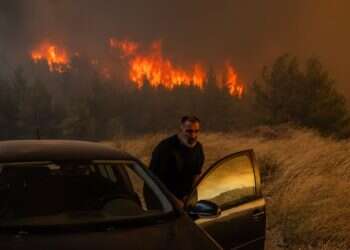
column 57, row 150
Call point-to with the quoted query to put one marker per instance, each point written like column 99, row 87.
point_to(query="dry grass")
column 306, row 182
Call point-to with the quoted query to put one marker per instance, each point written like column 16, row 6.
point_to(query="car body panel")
column 237, row 227
column 180, row 233
column 60, row 150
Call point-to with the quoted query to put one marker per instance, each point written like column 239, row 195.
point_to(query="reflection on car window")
column 231, row 183
column 76, row 192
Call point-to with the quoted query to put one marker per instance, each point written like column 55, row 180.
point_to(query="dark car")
column 84, row 195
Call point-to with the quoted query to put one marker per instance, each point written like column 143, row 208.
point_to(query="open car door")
column 233, row 183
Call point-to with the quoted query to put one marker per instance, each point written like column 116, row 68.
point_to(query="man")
column 177, row 160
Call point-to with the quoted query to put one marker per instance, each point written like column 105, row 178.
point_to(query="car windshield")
column 66, row 193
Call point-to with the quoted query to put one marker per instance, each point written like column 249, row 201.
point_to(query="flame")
column 57, row 58
column 158, row 70
column 143, row 64
column 151, row 65
column 234, row 87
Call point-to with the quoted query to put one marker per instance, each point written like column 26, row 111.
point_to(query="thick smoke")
column 249, row 33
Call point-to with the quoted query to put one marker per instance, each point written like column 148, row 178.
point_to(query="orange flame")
column 143, row 64
column 234, row 87
column 157, row 69
column 57, row 58
column 161, row 71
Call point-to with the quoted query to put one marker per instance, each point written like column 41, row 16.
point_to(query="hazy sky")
column 250, row 33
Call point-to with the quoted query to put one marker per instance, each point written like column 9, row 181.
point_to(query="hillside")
column 306, row 181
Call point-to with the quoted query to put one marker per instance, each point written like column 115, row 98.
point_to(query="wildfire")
column 159, row 70
column 57, row 58
column 233, row 86
column 143, row 64
column 154, row 67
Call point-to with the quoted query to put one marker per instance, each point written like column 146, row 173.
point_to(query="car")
column 66, row 194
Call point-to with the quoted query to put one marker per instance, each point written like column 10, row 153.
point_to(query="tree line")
column 80, row 104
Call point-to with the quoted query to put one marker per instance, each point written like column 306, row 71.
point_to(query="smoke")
column 249, row 33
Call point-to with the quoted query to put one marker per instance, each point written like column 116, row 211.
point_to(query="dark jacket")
column 176, row 165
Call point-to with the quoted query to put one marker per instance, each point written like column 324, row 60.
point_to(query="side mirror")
column 204, row 209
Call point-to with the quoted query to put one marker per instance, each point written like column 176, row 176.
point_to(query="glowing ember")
column 127, row 47
column 57, row 58
column 106, row 73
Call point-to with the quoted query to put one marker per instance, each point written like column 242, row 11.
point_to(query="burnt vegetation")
column 79, row 103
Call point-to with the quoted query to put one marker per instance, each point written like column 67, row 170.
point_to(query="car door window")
column 229, row 182
column 52, row 193
column 107, row 172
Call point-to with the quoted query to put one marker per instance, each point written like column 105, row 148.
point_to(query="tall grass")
column 306, row 181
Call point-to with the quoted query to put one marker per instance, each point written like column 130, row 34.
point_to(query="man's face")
column 190, row 131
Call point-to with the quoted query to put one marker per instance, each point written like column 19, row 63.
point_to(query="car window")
column 229, row 183
column 44, row 193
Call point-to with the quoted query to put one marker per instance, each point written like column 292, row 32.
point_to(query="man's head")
column 190, row 126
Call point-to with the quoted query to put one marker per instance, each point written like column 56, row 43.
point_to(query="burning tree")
column 139, row 89
column 140, row 62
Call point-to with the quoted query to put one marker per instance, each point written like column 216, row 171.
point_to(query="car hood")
column 180, row 233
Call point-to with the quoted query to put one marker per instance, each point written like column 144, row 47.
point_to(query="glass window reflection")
column 230, row 183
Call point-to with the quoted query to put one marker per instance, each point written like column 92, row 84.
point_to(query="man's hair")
column 190, row 118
